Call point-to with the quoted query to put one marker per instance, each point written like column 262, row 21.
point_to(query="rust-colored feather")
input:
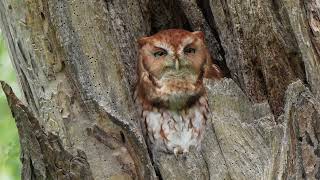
column 170, row 90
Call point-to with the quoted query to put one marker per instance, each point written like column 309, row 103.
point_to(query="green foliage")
column 10, row 165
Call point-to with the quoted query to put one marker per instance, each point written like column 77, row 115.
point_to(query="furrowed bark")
column 76, row 74
column 76, row 63
column 47, row 159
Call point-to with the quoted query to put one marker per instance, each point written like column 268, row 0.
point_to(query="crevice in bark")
column 135, row 142
column 28, row 92
column 167, row 15
column 204, row 6
column 261, row 77
column 123, row 138
column 24, row 58
column 158, row 173
column 221, row 152
column 47, row 152
column 207, row 166
column 32, row 170
column 103, row 137
column 294, row 53
column 198, row 22
column 118, row 145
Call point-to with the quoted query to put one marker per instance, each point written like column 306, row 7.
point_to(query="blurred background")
column 10, row 165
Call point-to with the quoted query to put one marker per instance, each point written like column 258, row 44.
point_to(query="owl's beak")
column 177, row 64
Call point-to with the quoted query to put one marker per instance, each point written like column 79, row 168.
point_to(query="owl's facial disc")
column 174, row 63
column 166, row 63
column 175, row 89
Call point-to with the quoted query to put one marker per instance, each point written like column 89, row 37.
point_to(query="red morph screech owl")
column 171, row 68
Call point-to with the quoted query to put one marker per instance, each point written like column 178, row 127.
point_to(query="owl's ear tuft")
column 142, row 41
column 199, row 34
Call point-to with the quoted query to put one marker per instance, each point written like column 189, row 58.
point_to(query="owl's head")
column 171, row 68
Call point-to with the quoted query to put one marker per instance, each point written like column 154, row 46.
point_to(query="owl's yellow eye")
column 160, row 53
column 189, row 50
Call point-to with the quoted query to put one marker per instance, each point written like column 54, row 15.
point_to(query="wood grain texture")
column 259, row 49
column 76, row 63
column 76, row 73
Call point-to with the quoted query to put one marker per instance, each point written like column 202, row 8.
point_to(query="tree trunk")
column 76, row 63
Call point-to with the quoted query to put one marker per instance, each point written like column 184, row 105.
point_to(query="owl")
column 174, row 108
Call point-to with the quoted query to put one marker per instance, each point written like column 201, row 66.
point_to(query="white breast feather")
column 179, row 134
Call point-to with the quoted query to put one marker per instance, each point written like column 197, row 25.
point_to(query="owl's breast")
column 176, row 131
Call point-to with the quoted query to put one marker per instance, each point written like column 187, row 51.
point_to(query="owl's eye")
column 189, row 50
column 160, row 53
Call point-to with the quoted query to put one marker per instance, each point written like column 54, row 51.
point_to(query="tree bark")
column 76, row 63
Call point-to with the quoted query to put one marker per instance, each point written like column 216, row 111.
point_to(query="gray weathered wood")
column 76, row 63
